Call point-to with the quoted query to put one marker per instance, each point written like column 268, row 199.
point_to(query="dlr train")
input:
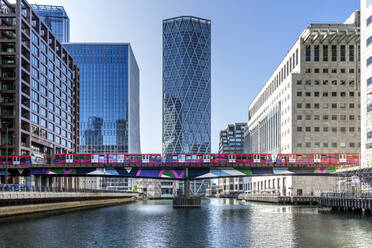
column 189, row 159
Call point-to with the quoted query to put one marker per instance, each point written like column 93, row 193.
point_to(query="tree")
column 135, row 188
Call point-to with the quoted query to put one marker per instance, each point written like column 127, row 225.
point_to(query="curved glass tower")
column 186, row 85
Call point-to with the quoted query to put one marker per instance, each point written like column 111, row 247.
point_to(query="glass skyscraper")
column 56, row 18
column 186, row 85
column 109, row 97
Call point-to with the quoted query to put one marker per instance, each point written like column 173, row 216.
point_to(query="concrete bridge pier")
column 186, row 201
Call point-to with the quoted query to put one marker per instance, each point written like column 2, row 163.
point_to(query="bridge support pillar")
column 30, row 181
column 186, row 201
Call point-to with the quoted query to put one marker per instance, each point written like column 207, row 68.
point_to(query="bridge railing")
column 347, row 195
column 25, row 188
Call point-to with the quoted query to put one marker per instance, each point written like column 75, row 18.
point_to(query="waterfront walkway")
column 347, row 201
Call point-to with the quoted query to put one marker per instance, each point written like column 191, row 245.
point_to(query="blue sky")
column 249, row 39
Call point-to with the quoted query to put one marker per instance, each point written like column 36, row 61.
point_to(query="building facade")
column 232, row 138
column 366, row 81
column 186, row 85
column 56, row 19
column 39, row 86
column 109, row 97
column 311, row 103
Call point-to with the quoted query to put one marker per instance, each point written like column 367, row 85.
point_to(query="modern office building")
column 232, row 138
column 56, row 19
column 39, row 86
column 109, row 97
column 186, row 85
column 366, row 81
column 311, row 102
column 232, row 141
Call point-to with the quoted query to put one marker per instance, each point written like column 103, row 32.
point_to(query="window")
column 369, row 41
column 325, row 129
column 334, row 94
column 369, row 61
column 334, row 70
column 299, row 117
column 325, row 144
column 369, row 20
column 308, row 117
column 351, row 94
column 351, row 70
column 334, row 82
column 299, row 129
column 343, row 52
column 307, row 129
column 43, row 122
column 308, row 70
column 308, row 53
column 299, row 105
column 334, row 105
column 351, row 129
column 316, row 145
column 342, row 105
column 316, row 93
column 308, row 144
column 343, row 117
column 325, row 94
column 325, row 70
column 325, row 54
column 351, row 105
column 316, row 117
column 307, row 105
column 351, row 117
column 351, row 53
column 334, row 144
column 316, row 105
column 334, row 117
column 352, row 144
column 369, row 81
column 34, row 107
column 342, row 144
column 325, row 117
column 316, row 70
column 316, row 129
column 325, row 105
column 334, row 53
column 316, row 53
column 307, row 93
column 343, row 94
column 43, row 112
column 34, row 95
column 34, row 118
column 334, row 129
column 299, row 82
column 343, row 70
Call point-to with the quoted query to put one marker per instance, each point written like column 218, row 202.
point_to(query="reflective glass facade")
column 109, row 97
column 55, row 17
column 186, row 85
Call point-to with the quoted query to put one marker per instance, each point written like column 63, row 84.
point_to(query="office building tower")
column 311, row 102
column 56, row 19
column 232, row 138
column 39, row 86
column 109, row 97
column 186, row 85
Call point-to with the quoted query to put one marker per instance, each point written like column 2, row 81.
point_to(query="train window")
column 138, row 156
column 350, row 156
column 269, row 156
column 193, row 156
column 175, row 157
column 226, row 156
column 299, row 157
column 249, row 156
column 356, row 156
column 188, row 157
column 238, row 157
column 213, row 157
column 244, row 157
column 200, row 156
column 324, row 156
column 76, row 157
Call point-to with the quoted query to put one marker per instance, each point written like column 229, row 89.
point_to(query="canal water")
column 219, row 223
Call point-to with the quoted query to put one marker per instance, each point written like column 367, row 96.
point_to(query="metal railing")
column 25, row 188
column 347, row 195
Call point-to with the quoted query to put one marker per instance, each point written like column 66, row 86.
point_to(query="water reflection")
column 219, row 223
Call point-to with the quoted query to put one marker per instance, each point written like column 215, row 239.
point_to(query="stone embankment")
column 19, row 203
